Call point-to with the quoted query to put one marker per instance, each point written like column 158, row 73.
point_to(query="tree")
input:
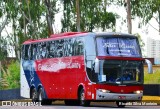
column 78, row 16
column 147, row 9
column 30, row 19
column 50, row 12
column 93, row 15
column 144, row 9
column 129, row 20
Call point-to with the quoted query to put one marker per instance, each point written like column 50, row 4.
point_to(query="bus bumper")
column 118, row 96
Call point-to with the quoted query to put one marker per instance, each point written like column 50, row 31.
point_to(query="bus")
column 83, row 67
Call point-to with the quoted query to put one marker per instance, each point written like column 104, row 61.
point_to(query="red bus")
column 80, row 67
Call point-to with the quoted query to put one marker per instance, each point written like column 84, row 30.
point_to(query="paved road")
column 95, row 105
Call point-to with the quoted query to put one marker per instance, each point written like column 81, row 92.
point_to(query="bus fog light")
column 138, row 91
column 104, row 91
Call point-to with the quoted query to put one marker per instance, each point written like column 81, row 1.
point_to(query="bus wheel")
column 83, row 102
column 34, row 95
column 120, row 104
column 40, row 95
column 41, row 98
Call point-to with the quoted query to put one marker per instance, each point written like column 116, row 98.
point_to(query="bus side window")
column 74, row 47
column 43, row 50
column 80, row 47
column 51, row 49
column 70, row 48
column 47, row 49
column 34, row 51
column 38, row 54
column 60, row 48
column 65, row 48
column 31, row 51
column 26, row 54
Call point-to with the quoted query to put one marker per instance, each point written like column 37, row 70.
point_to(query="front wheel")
column 83, row 102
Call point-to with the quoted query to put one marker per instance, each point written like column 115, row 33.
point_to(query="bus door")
column 90, row 55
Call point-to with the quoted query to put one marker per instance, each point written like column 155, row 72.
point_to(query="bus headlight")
column 138, row 91
column 104, row 90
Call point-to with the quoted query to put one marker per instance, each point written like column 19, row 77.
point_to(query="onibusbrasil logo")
column 19, row 103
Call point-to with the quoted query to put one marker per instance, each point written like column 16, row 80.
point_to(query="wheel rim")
column 40, row 96
column 33, row 95
column 82, row 98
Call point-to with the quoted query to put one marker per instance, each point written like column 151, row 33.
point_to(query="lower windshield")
column 120, row 72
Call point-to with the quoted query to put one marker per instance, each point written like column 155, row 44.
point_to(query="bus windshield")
column 122, row 46
column 121, row 72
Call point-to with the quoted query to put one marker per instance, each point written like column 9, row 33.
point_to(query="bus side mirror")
column 149, row 64
column 96, row 65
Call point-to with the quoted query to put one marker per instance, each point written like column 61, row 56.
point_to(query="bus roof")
column 75, row 34
column 113, row 34
column 56, row 36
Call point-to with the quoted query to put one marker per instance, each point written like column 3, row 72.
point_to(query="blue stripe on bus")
column 31, row 75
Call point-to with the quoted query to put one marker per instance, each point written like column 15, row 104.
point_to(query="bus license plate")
column 122, row 97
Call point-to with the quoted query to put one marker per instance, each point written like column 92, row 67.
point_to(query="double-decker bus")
column 80, row 67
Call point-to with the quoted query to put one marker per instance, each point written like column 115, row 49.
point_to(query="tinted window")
column 26, row 52
column 80, row 46
column 54, row 49
column 60, row 51
column 34, row 51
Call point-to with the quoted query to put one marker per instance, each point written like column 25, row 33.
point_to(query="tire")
column 82, row 100
column 121, row 104
column 40, row 95
column 34, row 95
column 41, row 98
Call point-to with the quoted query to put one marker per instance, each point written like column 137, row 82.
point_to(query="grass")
column 152, row 78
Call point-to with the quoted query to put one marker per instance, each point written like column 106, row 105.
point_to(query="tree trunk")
column 0, row 71
column 159, row 20
column 49, row 17
column 129, row 22
column 78, row 16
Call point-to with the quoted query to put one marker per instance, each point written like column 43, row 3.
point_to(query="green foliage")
column 28, row 19
column 152, row 78
column 93, row 15
column 145, row 9
column 1, row 13
column 11, row 77
column 3, row 51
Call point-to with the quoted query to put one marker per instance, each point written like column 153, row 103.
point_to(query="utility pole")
column 78, row 16
column 129, row 22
